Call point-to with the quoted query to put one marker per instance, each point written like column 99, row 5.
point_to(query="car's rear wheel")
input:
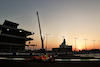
column 52, row 59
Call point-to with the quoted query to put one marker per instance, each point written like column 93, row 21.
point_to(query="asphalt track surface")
column 7, row 63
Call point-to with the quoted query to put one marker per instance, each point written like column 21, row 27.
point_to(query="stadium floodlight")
column 85, row 43
column 94, row 43
column 63, row 37
column 47, row 38
column 75, row 42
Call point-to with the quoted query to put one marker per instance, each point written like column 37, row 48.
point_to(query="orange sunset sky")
column 70, row 18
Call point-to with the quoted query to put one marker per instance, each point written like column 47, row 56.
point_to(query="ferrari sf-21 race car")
column 50, row 58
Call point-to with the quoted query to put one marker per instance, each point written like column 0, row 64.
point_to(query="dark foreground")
column 5, row 63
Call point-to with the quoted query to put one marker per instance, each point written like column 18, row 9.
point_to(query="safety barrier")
column 5, row 58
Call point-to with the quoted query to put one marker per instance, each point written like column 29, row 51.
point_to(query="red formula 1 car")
column 42, row 58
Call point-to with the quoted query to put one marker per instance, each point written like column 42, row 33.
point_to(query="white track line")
column 3, row 58
column 58, row 59
column 75, row 59
column 18, row 59
column 94, row 59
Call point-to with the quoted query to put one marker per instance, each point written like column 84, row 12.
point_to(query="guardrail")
column 33, row 53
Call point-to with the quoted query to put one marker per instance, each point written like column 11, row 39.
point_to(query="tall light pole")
column 99, row 41
column 94, row 43
column 75, row 43
column 63, row 37
column 46, row 39
column 85, row 43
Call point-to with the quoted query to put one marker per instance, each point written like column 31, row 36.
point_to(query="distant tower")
column 64, row 42
column 63, row 45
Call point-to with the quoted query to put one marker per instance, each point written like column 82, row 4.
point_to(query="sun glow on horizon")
column 79, row 48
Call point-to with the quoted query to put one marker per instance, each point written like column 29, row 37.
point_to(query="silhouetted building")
column 12, row 38
column 63, row 45
column 63, row 48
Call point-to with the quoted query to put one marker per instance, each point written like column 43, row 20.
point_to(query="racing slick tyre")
column 31, row 59
column 52, row 59
column 39, row 59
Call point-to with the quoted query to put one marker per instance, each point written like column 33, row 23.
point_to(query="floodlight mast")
column 40, row 30
column 85, row 43
column 75, row 43
column 63, row 37
column 46, row 39
column 94, row 43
